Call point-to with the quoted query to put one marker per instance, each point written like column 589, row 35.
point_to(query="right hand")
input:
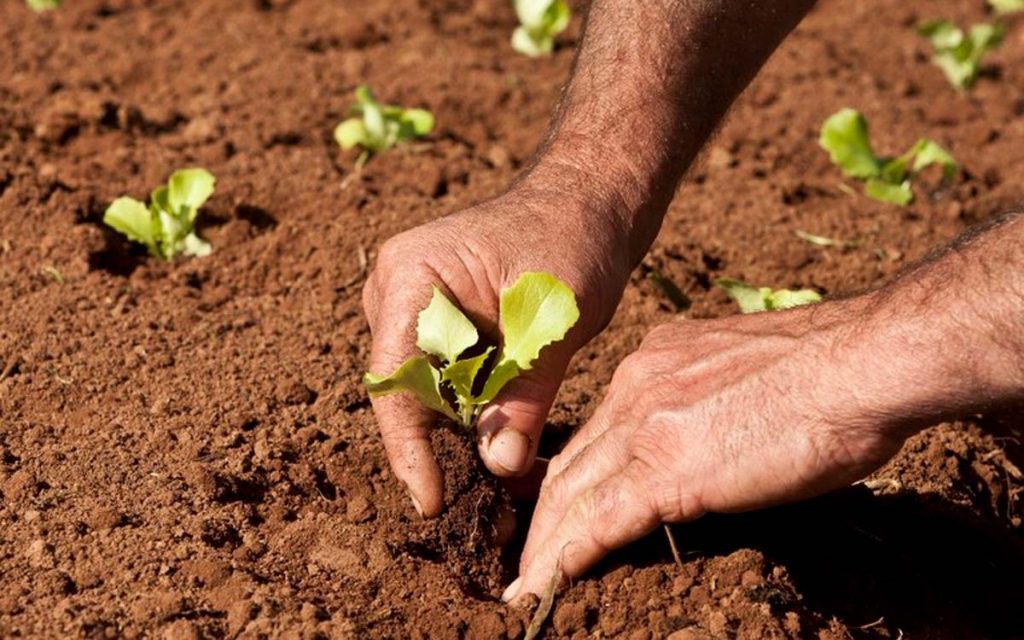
column 471, row 256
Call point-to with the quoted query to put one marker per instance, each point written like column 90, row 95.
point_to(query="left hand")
column 722, row 416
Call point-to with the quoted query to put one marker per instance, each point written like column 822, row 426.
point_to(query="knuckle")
column 552, row 487
column 371, row 292
column 390, row 251
column 677, row 502
column 630, row 370
column 556, row 464
column 672, row 493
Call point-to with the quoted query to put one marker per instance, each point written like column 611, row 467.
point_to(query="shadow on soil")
column 117, row 257
column 931, row 569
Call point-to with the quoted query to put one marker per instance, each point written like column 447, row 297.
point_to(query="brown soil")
column 186, row 451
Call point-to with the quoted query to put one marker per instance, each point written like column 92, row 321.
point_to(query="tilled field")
column 186, row 449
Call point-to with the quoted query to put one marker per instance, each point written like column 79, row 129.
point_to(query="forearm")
column 946, row 338
column 650, row 83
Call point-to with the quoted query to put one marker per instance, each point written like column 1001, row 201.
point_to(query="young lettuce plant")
column 1007, row 6
column 756, row 299
column 537, row 310
column 958, row 54
column 376, row 127
column 539, row 22
column 167, row 226
column 42, row 5
column 845, row 136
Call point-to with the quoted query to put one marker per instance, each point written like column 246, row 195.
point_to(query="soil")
column 186, row 450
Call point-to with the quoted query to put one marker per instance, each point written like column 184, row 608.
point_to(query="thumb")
column 510, row 427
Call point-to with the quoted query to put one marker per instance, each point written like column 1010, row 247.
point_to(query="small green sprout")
column 167, row 226
column 40, row 6
column 376, row 127
column 539, row 22
column 1007, row 6
column 845, row 136
column 537, row 310
column 756, row 299
column 958, row 54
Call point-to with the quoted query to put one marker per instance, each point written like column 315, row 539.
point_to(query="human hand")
column 719, row 416
column 471, row 256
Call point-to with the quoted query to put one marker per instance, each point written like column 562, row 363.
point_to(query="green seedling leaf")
column 42, row 5
column 443, row 330
column 350, row 133
column 879, row 189
column 378, row 127
column 415, row 123
column 786, row 299
column 167, row 226
column 756, row 299
column 1007, row 6
column 462, row 374
column 502, row 374
column 958, row 54
column 540, row 21
column 928, row 153
column 844, row 135
column 417, row 376
column 132, row 218
column 534, row 312
column 196, row 246
column 187, row 190
column 750, row 299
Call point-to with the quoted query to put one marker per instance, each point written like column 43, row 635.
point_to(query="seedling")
column 757, row 299
column 167, row 226
column 535, row 311
column 539, row 22
column 958, row 54
column 376, row 127
column 42, row 5
column 845, row 136
column 1007, row 6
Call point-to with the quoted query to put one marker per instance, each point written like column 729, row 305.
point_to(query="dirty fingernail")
column 512, row 590
column 510, row 449
column 416, row 504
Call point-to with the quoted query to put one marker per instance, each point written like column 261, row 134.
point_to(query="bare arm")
column 651, row 82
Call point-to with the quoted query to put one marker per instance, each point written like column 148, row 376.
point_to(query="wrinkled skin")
column 722, row 415
column 472, row 256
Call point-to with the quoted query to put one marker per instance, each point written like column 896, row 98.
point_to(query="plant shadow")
column 118, row 256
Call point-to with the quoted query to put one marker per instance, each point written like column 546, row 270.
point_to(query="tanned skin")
column 722, row 415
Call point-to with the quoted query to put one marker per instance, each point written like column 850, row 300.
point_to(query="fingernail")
column 416, row 504
column 510, row 449
column 512, row 590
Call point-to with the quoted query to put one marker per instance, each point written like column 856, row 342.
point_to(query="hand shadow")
column 928, row 567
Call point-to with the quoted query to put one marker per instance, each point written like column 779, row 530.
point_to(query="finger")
column 510, row 427
column 404, row 428
column 594, row 428
column 404, row 423
column 620, row 394
column 604, row 458
column 605, row 517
